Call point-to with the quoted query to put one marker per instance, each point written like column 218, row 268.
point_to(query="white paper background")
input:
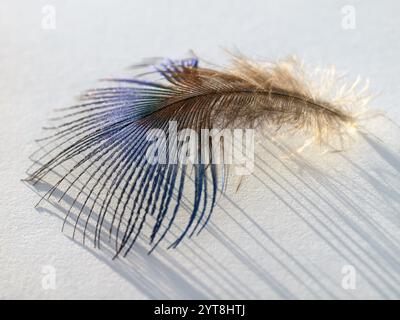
column 291, row 230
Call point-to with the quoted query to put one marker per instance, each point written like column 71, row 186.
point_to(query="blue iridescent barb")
column 108, row 136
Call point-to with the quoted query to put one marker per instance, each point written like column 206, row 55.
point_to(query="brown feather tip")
column 285, row 96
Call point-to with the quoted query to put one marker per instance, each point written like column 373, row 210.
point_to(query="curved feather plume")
column 103, row 141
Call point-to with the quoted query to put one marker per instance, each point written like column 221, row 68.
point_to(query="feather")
column 103, row 142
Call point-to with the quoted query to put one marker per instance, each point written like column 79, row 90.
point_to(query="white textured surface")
column 292, row 229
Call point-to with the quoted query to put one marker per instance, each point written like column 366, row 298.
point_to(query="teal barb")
column 107, row 136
